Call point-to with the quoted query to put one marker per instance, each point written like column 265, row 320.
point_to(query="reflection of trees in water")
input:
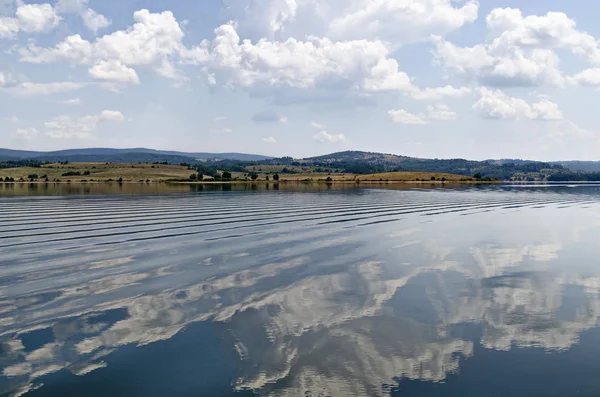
column 343, row 333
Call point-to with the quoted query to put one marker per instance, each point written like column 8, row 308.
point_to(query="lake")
column 299, row 291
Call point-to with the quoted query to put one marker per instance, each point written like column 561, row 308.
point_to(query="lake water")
column 482, row 291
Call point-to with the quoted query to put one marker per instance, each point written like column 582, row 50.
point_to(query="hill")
column 369, row 163
column 347, row 162
column 580, row 166
column 121, row 155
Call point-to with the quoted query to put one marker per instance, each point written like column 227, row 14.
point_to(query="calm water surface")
column 300, row 292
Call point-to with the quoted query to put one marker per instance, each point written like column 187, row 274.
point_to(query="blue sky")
column 427, row 78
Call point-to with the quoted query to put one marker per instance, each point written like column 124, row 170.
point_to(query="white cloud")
column 521, row 51
column 495, row 104
column 318, row 126
column 504, row 67
column 12, row 119
column 9, row 27
column 269, row 140
column 437, row 93
column 72, row 102
column 324, row 136
column 401, row 116
column 385, row 76
column 400, row 21
column 547, row 110
column 26, row 133
column 37, row 18
column 395, row 21
column 152, row 41
column 587, row 78
column 316, row 63
column 65, row 127
column 28, row 89
column 114, row 71
column 440, row 112
column 2, row 79
column 553, row 30
column 91, row 19
column 218, row 119
column 95, row 21
column 112, row 115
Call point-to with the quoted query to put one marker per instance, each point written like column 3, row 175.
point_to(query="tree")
column 253, row 176
column 477, row 175
column 200, row 177
column 226, row 175
column 267, row 177
column 120, row 180
column 193, row 177
column 276, row 177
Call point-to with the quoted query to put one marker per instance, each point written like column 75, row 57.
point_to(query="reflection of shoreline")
column 321, row 321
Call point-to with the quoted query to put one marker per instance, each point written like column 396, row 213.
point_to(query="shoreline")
column 244, row 182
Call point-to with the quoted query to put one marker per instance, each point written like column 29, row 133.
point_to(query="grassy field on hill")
column 130, row 172
column 99, row 172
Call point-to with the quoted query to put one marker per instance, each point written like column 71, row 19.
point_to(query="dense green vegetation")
column 20, row 163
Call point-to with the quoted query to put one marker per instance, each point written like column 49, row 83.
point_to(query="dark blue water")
column 355, row 292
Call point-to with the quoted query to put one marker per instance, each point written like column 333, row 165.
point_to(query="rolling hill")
column 123, row 155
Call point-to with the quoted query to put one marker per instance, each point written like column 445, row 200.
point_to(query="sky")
column 426, row 78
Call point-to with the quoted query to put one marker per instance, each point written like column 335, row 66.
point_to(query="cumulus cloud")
column 402, row 116
column 26, row 133
column 37, row 18
column 495, row 104
column 112, row 115
column 66, row 127
column 587, row 78
column 155, row 41
column 29, row 18
column 269, row 116
column 91, row 19
column 324, row 136
column 395, row 21
column 152, row 41
column 315, row 63
column 521, row 51
column 9, row 27
column 94, row 21
column 114, row 71
column 401, row 22
column 269, row 140
column 318, row 126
